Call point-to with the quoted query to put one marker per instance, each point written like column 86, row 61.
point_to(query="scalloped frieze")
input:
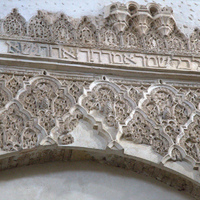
column 45, row 98
column 141, row 130
column 18, row 129
column 47, row 109
column 167, row 108
column 107, row 99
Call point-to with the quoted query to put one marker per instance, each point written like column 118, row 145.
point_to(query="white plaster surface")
column 141, row 151
column 184, row 168
column 85, row 136
column 81, row 181
column 186, row 12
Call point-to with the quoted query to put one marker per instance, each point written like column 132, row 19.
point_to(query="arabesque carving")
column 46, row 110
column 18, row 129
column 39, row 27
column 162, row 125
column 63, row 30
column 45, row 98
column 15, row 24
column 140, row 131
column 87, row 34
column 108, row 100
column 168, row 109
column 195, row 41
column 191, row 140
column 5, row 95
column 67, row 125
column 142, row 28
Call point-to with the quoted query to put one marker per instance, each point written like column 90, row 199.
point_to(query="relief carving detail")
column 145, row 28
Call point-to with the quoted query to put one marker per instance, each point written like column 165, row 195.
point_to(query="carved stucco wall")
column 122, row 86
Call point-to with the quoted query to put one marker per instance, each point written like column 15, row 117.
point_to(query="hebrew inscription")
column 76, row 54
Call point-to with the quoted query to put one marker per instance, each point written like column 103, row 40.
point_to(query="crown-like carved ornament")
column 121, row 26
